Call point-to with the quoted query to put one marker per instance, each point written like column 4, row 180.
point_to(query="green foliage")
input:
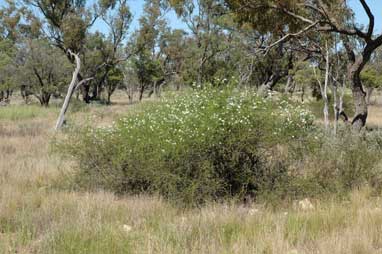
column 7, row 68
column 147, row 69
column 262, row 17
column 218, row 144
column 74, row 32
column 316, row 106
column 303, row 74
column 345, row 162
column 10, row 19
column 18, row 113
column 44, row 71
column 272, row 16
column 371, row 77
column 208, row 145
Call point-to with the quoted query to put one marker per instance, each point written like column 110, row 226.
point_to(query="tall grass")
column 23, row 112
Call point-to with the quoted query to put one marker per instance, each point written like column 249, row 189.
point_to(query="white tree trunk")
column 71, row 89
column 325, row 90
column 341, row 103
column 335, row 107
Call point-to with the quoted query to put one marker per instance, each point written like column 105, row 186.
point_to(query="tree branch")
column 294, row 15
column 371, row 18
column 289, row 35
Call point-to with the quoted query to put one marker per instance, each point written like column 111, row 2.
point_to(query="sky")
column 136, row 8
column 361, row 16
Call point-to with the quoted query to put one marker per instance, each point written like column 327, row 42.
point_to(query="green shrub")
column 347, row 161
column 208, row 145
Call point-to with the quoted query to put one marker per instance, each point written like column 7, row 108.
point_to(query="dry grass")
column 37, row 217
column 375, row 116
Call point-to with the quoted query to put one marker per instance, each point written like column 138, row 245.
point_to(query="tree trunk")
column 359, row 95
column 155, row 89
column 141, row 91
column 326, row 107
column 45, row 98
column 96, row 92
column 355, row 67
column 85, row 89
column 289, row 84
column 369, row 92
column 335, row 108
column 8, row 94
column 72, row 86
column 269, row 84
column 130, row 93
column 108, row 101
column 325, row 90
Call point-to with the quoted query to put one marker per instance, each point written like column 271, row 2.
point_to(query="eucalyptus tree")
column 67, row 24
column 173, row 47
column 10, row 30
column 117, row 16
column 147, row 70
column 209, row 40
column 7, row 67
column 45, row 70
column 297, row 17
column 149, row 61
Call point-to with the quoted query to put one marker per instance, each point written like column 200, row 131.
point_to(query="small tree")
column 208, row 40
column 371, row 79
column 147, row 70
column 304, row 77
column 7, row 69
column 45, row 69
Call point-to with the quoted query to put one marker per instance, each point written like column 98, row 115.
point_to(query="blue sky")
column 136, row 7
column 376, row 7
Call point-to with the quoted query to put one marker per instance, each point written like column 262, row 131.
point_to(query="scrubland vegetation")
column 254, row 129
column 51, row 204
column 214, row 144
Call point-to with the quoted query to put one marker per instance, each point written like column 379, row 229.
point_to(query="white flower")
column 127, row 228
column 305, row 205
column 253, row 211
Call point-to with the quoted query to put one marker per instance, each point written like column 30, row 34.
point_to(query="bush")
column 216, row 144
column 208, row 145
column 347, row 161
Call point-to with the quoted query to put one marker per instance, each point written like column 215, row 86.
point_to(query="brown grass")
column 38, row 217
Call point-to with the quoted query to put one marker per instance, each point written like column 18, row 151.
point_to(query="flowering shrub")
column 207, row 145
